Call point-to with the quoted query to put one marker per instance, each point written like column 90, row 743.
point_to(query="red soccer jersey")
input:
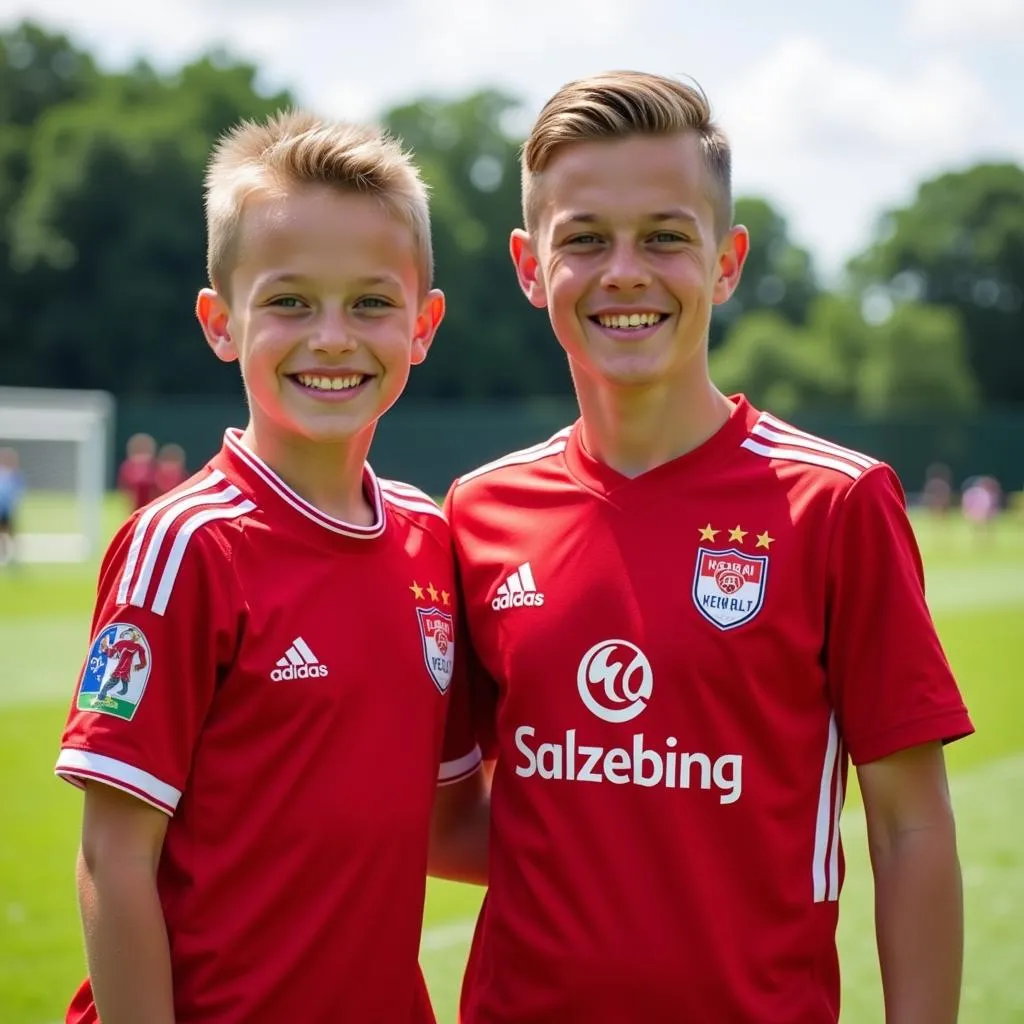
column 289, row 716
column 681, row 665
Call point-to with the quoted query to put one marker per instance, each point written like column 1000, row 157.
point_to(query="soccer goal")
column 63, row 441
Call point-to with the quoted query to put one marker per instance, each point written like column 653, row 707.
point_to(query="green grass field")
column 976, row 590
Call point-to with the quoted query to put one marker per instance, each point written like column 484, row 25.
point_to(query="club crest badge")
column 116, row 672
column 437, row 631
column 728, row 586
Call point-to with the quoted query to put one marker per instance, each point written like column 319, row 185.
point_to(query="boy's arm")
column 125, row 934
column 918, row 891
column 459, row 830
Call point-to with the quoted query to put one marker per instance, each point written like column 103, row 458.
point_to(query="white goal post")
column 63, row 439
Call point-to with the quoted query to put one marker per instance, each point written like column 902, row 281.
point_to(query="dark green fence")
column 430, row 444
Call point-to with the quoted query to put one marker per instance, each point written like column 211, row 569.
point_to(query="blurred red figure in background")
column 136, row 478
column 170, row 468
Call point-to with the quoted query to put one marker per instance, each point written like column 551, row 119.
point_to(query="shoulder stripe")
column 155, row 543
column 170, row 573
column 142, row 525
column 552, row 446
column 424, row 505
column 404, row 489
column 797, row 455
column 774, row 429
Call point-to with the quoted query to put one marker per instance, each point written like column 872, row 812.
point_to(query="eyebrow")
column 659, row 217
column 372, row 281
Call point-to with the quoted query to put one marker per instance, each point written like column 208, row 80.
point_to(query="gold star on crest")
column 432, row 592
column 737, row 534
column 445, row 598
column 417, row 591
column 764, row 541
column 706, row 533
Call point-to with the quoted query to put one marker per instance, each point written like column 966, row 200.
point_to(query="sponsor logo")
column 116, row 671
column 616, row 683
column 518, row 591
column 299, row 662
column 615, row 680
column 728, row 586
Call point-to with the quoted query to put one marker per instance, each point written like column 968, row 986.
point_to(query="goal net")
column 63, row 441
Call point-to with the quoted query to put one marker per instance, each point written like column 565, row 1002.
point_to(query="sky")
column 835, row 111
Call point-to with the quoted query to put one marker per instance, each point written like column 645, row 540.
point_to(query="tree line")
column 102, row 251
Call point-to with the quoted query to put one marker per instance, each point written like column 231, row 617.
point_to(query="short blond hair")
column 616, row 104
column 293, row 149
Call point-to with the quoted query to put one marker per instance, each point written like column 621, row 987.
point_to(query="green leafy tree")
column 110, row 227
column 779, row 275
column 493, row 344
column 960, row 244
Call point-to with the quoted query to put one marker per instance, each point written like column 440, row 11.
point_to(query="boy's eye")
column 286, row 302
column 582, row 240
column 373, row 302
column 668, row 237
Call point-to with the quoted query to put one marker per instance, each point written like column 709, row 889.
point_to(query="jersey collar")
column 601, row 478
column 257, row 477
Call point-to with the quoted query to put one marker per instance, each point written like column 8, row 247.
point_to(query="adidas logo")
column 518, row 591
column 299, row 662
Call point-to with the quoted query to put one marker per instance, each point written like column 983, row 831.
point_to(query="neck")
column 328, row 475
column 635, row 428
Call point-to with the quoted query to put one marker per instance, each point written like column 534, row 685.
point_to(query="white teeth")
column 627, row 320
column 318, row 383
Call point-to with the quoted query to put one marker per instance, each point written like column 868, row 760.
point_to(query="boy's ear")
column 732, row 254
column 527, row 268
column 214, row 316
column 427, row 322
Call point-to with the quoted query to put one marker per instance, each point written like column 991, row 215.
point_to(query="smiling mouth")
column 325, row 383
column 628, row 321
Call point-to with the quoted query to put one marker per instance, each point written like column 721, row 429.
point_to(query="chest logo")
column 728, row 585
column 437, row 631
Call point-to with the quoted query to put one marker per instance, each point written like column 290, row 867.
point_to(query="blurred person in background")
column 980, row 502
column 170, row 468
column 136, row 477
column 937, row 493
column 12, row 490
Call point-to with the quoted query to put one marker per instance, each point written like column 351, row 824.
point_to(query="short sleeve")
column 888, row 677
column 163, row 632
column 460, row 754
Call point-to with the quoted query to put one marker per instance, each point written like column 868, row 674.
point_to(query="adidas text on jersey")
column 299, row 662
column 518, row 591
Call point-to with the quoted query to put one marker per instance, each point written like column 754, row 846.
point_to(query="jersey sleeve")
column 889, row 680
column 163, row 631
column 460, row 754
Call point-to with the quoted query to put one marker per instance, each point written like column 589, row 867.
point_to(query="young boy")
column 691, row 614
column 259, row 780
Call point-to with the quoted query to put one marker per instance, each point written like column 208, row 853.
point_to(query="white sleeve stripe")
column 139, row 536
column 170, row 573
column 451, row 771
column 791, row 432
column 163, row 527
column 407, row 490
column 75, row 764
column 813, row 443
column 517, row 459
column 795, row 455
column 824, row 826
column 426, row 506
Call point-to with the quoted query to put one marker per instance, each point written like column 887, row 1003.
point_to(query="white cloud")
column 991, row 21
column 835, row 141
